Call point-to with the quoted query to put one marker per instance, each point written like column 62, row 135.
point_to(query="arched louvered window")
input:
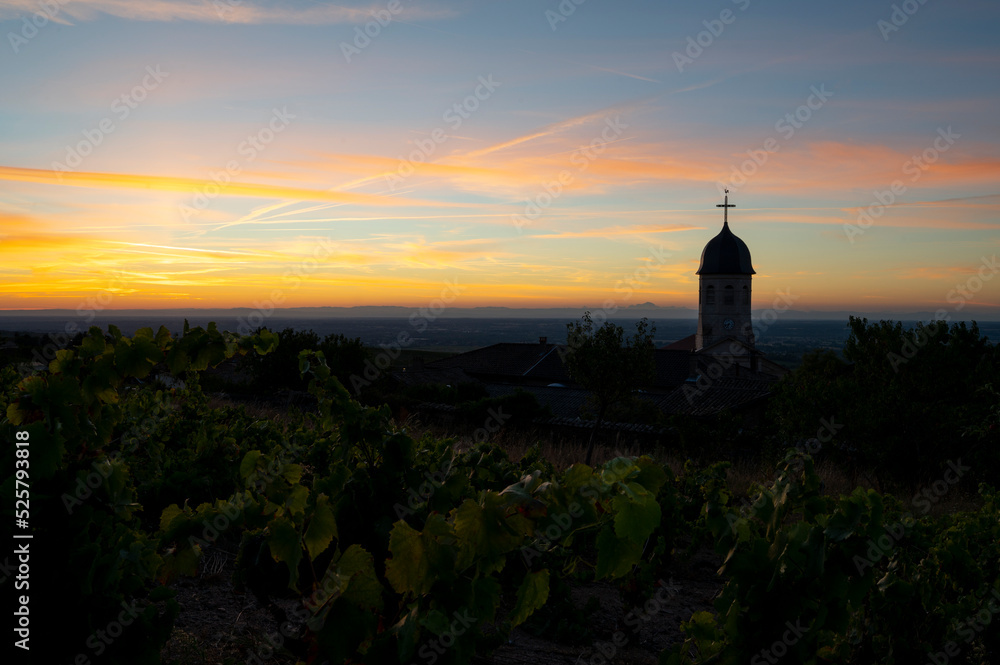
column 727, row 298
column 710, row 295
column 746, row 295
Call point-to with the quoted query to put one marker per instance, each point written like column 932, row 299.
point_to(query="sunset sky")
column 192, row 153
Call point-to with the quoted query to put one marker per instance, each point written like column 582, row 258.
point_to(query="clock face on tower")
column 728, row 324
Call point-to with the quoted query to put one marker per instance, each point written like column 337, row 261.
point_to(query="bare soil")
column 219, row 626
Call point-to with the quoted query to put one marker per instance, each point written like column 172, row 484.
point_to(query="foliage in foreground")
column 91, row 562
column 848, row 580
column 400, row 549
column 399, row 546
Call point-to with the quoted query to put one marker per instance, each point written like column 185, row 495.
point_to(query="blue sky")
column 261, row 150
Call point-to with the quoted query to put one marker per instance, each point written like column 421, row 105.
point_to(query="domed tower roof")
column 725, row 254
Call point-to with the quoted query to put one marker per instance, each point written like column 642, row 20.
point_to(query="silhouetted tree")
column 603, row 361
column 904, row 400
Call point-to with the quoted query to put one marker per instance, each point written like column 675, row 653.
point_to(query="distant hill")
column 646, row 309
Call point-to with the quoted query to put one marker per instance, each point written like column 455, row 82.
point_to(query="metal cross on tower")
column 725, row 208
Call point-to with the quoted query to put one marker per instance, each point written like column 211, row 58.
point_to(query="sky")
column 247, row 153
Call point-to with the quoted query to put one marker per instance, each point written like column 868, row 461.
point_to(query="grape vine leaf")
column 531, row 595
column 322, row 527
column 292, row 473
column 408, row 567
column 363, row 588
column 286, row 547
column 168, row 515
column 418, row 559
column 636, row 518
column 138, row 357
column 249, row 463
column 615, row 556
column 483, row 532
column 297, row 499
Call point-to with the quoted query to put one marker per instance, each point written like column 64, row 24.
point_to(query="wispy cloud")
column 612, row 232
column 554, row 128
column 220, row 11
column 192, row 185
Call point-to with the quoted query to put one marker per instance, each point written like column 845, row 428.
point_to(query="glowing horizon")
column 185, row 153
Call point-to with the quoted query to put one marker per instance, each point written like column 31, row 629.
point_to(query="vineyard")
column 371, row 545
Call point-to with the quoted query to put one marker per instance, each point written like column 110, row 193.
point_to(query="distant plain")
column 784, row 340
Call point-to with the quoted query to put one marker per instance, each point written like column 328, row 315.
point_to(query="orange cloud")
column 613, row 232
column 172, row 184
column 833, row 166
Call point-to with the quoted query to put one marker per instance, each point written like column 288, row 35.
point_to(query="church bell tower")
column 724, row 288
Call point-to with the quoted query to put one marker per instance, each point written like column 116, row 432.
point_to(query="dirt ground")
column 218, row 626
column 623, row 635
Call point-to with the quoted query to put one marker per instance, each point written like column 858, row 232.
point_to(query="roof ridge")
column 547, row 353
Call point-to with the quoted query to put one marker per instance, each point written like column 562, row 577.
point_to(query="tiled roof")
column 508, row 359
column 683, row 344
column 507, row 367
column 543, row 363
column 711, row 397
column 673, row 367
column 448, row 376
